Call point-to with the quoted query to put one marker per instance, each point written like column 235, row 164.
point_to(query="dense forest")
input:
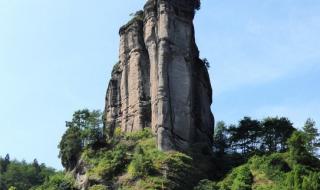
column 22, row 175
column 252, row 154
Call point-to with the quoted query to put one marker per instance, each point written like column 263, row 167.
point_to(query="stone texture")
column 127, row 99
column 160, row 82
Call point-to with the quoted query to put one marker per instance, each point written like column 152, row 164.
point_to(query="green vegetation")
column 98, row 187
column 85, row 130
column 59, row 181
column 15, row 175
column 295, row 169
column 312, row 136
column 253, row 155
column 132, row 161
column 259, row 155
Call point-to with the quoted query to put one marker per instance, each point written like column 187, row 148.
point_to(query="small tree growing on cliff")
column 85, row 130
column 197, row 5
column 206, row 62
column 70, row 147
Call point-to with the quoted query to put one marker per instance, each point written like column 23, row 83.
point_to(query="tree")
column 197, row 5
column 206, row 62
column 36, row 165
column 245, row 136
column 276, row 131
column 220, row 138
column 70, row 147
column 297, row 148
column 312, row 135
column 90, row 125
column 84, row 130
column 22, row 175
column 4, row 164
column 59, row 181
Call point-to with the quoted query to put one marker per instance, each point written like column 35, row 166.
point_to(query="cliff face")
column 128, row 96
column 160, row 82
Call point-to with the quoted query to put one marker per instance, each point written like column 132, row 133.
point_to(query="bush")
column 243, row 180
column 273, row 166
column 297, row 147
column 107, row 163
column 139, row 135
column 59, row 181
column 141, row 164
column 98, row 187
column 239, row 179
column 311, row 182
column 206, row 185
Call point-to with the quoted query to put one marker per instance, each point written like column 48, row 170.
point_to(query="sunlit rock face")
column 160, row 82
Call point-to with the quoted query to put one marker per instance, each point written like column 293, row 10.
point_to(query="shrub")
column 243, row 179
column 295, row 177
column 311, row 182
column 139, row 135
column 273, row 166
column 107, row 163
column 59, row 181
column 141, row 164
column 206, row 185
column 98, row 187
column 239, row 179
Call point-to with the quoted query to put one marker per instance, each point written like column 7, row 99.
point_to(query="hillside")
column 132, row 161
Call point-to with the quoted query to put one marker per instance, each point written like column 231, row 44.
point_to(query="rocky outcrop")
column 128, row 96
column 160, row 82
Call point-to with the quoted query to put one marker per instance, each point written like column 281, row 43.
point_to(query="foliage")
column 85, row 130
column 136, row 159
column 98, row 187
column 197, row 5
column 276, row 132
column 206, row 63
column 132, row 161
column 273, row 166
column 239, row 179
column 206, row 185
column 312, row 136
column 70, row 147
column 22, row 175
column 253, row 137
column 298, row 151
column 60, row 181
column 141, row 164
column 107, row 163
column 245, row 137
column 292, row 170
column 220, row 142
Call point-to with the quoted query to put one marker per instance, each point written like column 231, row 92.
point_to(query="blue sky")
column 56, row 57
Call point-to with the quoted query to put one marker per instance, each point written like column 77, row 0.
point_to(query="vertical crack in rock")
column 160, row 82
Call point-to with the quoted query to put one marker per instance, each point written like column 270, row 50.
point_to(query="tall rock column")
column 128, row 94
column 160, row 82
column 179, row 116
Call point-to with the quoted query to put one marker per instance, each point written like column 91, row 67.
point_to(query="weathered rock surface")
column 160, row 82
